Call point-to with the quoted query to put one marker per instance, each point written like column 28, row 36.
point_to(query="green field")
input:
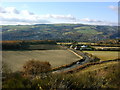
column 104, row 55
column 16, row 59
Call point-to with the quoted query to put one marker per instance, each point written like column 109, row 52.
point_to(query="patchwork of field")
column 16, row 59
column 105, row 55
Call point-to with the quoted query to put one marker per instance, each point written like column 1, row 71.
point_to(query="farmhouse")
column 86, row 47
column 81, row 47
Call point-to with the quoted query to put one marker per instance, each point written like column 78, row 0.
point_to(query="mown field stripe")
column 75, row 54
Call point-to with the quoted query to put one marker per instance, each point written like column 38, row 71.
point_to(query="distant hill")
column 59, row 32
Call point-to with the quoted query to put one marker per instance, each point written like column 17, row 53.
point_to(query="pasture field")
column 16, row 59
column 105, row 55
column 101, row 47
column 98, row 67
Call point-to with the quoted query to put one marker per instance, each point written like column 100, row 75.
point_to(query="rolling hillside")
column 59, row 32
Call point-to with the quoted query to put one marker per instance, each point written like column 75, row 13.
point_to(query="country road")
column 83, row 59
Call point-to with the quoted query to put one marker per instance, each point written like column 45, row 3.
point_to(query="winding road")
column 83, row 59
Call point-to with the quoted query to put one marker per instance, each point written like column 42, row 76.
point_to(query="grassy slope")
column 104, row 55
column 98, row 67
column 57, row 31
column 104, row 75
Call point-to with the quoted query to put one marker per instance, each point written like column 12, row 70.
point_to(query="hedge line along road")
column 83, row 59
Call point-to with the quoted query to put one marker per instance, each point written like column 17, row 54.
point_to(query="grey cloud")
column 12, row 10
column 99, row 22
column 16, row 20
column 31, row 13
column 16, row 11
column 9, row 10
column 2, row 10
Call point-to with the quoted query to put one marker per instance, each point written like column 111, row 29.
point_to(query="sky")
column 27, row 13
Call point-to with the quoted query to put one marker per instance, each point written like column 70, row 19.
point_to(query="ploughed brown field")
column 16, row 59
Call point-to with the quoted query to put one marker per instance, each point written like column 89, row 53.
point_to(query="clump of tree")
column 14, row 45
column 92, row 57
column 37, row 42
column 35, row 67
column 23, row 44
column 113, row 42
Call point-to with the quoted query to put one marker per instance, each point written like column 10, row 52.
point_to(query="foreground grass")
column 104, row 75
column 104, row 55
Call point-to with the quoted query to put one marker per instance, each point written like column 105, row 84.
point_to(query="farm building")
column 81, row 47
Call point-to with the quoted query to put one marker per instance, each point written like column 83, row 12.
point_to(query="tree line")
column 23, row 44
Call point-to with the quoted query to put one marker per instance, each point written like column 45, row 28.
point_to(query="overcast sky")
column 95, row 13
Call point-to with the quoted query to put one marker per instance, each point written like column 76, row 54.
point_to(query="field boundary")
column 83, row 58
column 88, row 65
column 69, row 65
column 75, row 54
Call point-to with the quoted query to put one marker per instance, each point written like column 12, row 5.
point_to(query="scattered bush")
column 35, row 67
column 5, row 68
column 107, row 77
column 15, row 80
